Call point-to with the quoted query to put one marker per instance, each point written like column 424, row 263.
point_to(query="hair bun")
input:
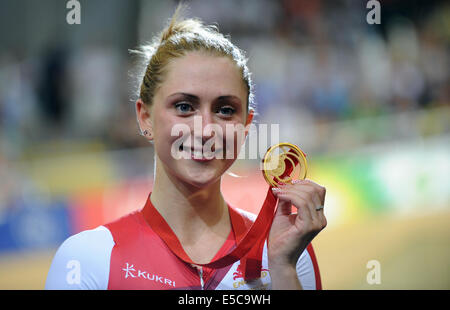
column 178, row 25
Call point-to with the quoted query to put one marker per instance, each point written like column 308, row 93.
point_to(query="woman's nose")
column 205, row 127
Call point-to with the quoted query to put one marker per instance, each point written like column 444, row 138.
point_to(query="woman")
column 193, row 73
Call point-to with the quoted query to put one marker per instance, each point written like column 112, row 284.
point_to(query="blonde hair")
column 176, row 40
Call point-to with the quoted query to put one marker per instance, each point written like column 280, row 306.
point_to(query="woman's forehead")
column 200, row 73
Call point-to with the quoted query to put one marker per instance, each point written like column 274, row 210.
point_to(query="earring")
column 147, row 134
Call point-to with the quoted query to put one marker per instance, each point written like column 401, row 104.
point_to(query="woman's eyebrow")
column 196, row 98
column 185, row 96
column 229, row 97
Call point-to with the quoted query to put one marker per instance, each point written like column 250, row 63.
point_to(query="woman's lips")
column 202, row 157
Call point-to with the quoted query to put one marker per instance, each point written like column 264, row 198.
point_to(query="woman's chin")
column 198, row 174
column 201, row 181
column 201, row 178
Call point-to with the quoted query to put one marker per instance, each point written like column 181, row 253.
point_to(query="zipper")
column 200, row 274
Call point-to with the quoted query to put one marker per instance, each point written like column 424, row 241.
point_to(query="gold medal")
column 284, row 163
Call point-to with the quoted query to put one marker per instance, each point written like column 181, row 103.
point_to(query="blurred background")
column 368, row 103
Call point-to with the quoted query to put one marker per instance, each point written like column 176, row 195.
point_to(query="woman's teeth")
column 199, row 153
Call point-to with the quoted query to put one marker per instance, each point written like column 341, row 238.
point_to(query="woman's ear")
column 144, row 119
column 250, row 115
column 249, row 120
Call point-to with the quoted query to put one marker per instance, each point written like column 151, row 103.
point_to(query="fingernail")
column 296, row 181
column 276, row 189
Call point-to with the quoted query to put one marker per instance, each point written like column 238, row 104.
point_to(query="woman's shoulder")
column 82, row 261
column 88, row 239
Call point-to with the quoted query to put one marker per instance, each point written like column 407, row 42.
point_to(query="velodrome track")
column 413, row 251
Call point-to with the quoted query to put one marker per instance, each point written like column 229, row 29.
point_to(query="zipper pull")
column 200, row 274
column 202, row 283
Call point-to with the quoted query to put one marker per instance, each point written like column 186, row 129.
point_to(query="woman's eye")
column 183, row 107
column 228, row 111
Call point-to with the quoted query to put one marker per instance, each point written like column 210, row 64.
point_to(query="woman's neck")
column 191, row 212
